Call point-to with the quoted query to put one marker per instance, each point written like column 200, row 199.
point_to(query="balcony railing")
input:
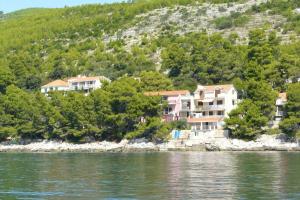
column 82, row 87
column 210, row 107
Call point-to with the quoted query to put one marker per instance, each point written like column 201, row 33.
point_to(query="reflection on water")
column 173, row 175
column 201, row 175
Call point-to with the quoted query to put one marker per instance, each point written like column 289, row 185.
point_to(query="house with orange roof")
column 204, row 110
column 57, row 85
column 82, row 83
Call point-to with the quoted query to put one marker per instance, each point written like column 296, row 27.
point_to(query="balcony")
column 210, row 107
column 82, row 87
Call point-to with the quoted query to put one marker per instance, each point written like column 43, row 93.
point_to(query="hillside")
column 126, row 38
column 168, row 44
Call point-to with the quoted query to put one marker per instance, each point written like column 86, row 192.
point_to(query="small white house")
column 86, row 84
column 82, row 83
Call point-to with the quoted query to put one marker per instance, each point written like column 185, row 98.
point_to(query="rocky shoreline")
column 264, row 143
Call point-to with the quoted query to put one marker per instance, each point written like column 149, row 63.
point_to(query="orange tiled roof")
column 57, row 83
column 84, row 78
column 204, row 119
column 168, row 93
column 282, row 96
column 225, row 88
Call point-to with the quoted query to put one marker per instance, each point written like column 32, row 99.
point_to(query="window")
column 220, row 113
column 211, row 103
column 211, row 113
column 233, row 102
column 200, row 103
column 168, row 110
column 74, row 84
column 201, row 94
column 56, row 88
column 204, row 113
column 219, row 102
column 218, row 91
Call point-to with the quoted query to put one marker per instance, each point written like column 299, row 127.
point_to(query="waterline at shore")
column 264, row 143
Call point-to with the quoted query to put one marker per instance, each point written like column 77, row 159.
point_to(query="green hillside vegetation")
column 40, row 45
column 235, row 19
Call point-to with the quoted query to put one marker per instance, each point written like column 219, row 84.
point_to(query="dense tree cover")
column 118, row 110
column 6, row 78
column 291, row 123
column 206, row 59
column 257, row 108
column 155, row 81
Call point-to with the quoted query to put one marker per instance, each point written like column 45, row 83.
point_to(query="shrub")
column 223, row 22
column 180, row 124
column 235, row 19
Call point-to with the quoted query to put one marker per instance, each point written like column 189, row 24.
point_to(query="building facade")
column 175, row 99
column 212, row 104
column 279, row 114
column 204, row 110
column 79, row 83
column 86, row 84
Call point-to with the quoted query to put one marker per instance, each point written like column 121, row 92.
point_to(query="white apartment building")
column 82, row 83
column 86, row 84
column 211, row 105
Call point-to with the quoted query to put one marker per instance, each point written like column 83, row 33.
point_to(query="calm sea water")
column 171, row 175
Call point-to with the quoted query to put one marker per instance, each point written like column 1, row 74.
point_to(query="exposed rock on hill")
column 185, row 19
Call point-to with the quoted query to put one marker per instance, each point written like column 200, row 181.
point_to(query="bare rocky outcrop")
column 197, row 18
